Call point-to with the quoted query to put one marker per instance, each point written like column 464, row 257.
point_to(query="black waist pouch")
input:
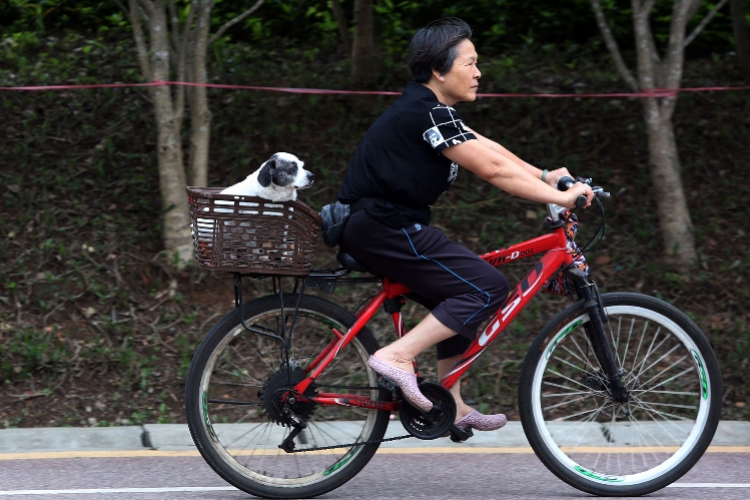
column 334, row 217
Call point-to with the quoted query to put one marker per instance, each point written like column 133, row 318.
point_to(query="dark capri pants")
column 460, row 289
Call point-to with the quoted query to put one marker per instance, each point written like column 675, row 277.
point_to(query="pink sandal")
column 406, row 381
column 476, row 420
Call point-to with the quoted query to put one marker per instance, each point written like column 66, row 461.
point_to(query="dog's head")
column 285, row 170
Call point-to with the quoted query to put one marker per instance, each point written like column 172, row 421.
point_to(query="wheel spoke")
column 565, row 394
column 688, row 370
column 241, row 415
column 615, row 345
column 567, row 402
column 687, row 407
column 677, row 393
column 573, row 339
column 644, row 370
column 627, row 344
column 644, row 440
column 646, row 407
column 583, row 413
column 648, row 352
column 574, row 366
column 228, row 402
column 640, row 343
column 568, row 379
column 565, row 348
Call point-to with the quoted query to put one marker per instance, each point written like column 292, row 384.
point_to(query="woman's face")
column 462, row 81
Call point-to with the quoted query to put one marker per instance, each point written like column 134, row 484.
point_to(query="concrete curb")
column 176, row 437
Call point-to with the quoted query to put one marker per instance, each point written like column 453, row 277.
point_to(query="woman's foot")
column 480, row 422
column 406, row 381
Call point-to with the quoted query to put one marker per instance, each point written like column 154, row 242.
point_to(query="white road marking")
column 189, row 489
column 116, row 490
column 709, row 485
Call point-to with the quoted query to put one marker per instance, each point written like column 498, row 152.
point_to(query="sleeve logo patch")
column 434, row 137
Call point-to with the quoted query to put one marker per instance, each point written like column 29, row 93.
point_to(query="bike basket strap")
column 250, row 235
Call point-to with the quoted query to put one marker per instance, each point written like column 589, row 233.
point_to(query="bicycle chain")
column 362, row 387
column 351, row 445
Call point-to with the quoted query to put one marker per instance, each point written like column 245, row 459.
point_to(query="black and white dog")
column 278, row 179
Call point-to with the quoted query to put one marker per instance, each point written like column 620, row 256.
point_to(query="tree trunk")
column 200, row 115
column 364, row 58
column 340, row 16
column 154, row 63
column 176, row 227
column 176, row 224
column 674, row 217
column 676, row 227
column 655, row 72
column 741, row 35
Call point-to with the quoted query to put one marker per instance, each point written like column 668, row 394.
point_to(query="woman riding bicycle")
column 407, row 159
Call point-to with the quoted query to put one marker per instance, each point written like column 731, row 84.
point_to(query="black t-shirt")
column 398, row 166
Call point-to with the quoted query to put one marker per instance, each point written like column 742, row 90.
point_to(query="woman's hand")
column 553, row 176
column 576, row 190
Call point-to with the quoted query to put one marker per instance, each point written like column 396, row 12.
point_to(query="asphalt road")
column 431, row 476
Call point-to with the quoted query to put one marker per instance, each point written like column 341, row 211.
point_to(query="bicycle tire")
column 233, row 374
column 671, row 373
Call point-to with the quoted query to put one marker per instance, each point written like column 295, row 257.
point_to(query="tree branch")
column 175, row 25
column 234, row 21
column 340, row 16
column 645, row 8
column 693, row 10
column 675, row 58
column 147, row 6
column 704, row 22
column 124, row 9
column 611, row 43
column 185, row 40
column 741, row 35
column 644, row 46
column 140, row 42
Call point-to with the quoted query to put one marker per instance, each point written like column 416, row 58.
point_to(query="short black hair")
column 434, row 47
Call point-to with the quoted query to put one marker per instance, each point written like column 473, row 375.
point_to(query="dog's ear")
column 266, row 172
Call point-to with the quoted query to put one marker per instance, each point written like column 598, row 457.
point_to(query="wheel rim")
column 244, row 435
column 590, row 434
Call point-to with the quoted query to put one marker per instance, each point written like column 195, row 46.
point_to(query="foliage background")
column 97, row 329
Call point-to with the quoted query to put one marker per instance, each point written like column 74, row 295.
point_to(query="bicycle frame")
column 556, row 257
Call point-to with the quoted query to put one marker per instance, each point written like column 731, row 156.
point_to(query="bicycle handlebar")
column 565, row 183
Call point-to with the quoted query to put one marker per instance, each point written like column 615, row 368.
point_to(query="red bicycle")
column 620, row 393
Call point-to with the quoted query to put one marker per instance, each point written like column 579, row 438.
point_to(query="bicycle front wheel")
column 234, row 408
column 603, row 447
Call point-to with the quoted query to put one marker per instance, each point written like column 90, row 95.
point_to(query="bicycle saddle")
column 350, row 262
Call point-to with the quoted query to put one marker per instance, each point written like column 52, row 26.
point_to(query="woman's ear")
column 437, row 75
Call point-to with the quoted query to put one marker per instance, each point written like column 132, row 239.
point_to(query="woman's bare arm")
column 510, row 174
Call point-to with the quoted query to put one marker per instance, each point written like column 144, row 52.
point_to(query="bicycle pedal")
column 388, row 384
column 459, row 435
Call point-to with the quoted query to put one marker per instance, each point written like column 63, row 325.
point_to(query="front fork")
column 595, row 329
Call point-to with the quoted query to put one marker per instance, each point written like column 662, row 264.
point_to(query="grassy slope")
column 96, row 330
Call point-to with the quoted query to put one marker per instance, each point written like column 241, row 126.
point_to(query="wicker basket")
column 249, row 235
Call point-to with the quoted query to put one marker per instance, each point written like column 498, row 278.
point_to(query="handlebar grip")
column 564, row 183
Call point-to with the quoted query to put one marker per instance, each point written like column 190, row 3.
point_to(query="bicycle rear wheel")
column 233, row 399
column 598, row 445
